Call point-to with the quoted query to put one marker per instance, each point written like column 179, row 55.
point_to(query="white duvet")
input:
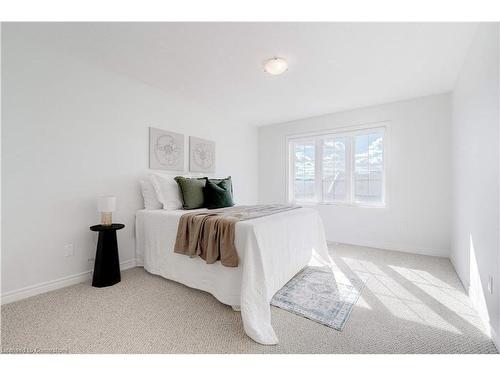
column 271, row 250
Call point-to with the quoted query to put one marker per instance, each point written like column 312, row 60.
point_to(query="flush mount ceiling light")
column 275, row 66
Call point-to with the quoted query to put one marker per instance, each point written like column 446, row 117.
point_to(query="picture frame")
column 201, row 155
column 166, row 150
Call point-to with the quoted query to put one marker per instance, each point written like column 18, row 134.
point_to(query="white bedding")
column 271, row 250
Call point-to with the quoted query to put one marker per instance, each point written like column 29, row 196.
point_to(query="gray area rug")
column 322, row 295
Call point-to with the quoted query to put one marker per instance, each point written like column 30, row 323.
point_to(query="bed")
column 271, row 250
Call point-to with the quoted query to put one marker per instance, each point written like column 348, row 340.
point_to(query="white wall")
column 73, row 132
column 417, row 216
column 475, row 147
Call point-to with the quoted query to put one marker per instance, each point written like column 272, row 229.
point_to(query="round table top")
column 101, row 228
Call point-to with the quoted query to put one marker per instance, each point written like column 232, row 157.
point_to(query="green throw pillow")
column 191, row 192
column 219, row 180
column 218, row 194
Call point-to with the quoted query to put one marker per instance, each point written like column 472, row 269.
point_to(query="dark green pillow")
column 218, row 180
column 218, row 194
column 191, row 192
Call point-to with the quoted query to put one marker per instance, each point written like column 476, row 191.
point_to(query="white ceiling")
column 333, row 66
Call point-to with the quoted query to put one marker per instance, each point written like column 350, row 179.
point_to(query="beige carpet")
column 411, row 304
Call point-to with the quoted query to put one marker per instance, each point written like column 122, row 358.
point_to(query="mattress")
column 271, row 250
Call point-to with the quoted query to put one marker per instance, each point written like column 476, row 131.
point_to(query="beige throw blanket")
column 210, row 234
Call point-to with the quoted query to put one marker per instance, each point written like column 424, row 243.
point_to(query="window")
column 344, row 167
column 304, row 171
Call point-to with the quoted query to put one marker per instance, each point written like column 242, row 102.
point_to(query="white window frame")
column 318, row 137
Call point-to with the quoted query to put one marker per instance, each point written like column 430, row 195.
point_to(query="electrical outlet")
column 69, row 250
column 490, row 284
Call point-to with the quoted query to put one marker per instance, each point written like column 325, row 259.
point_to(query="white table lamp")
column 106, row 206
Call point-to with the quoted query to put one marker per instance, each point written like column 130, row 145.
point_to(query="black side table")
column 107, row 263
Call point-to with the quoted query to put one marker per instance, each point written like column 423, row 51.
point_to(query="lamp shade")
column 106, row 204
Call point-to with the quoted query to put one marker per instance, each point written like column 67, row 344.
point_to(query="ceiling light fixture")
column 276, row 66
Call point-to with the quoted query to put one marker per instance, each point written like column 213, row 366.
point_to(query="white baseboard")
column 128, row 264
column 48, row 286
column 400, row 248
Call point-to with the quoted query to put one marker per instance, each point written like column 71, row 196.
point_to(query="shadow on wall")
column 476, row 291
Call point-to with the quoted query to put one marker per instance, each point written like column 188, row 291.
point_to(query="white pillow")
column 167, row 191
column 151, row 201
